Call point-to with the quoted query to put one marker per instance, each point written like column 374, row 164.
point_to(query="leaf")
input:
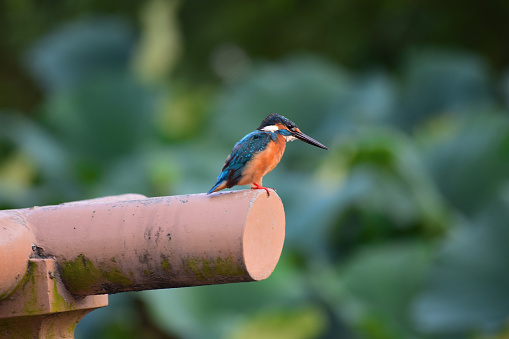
column 73, row 52
column 104, row 118
column 219, row 309
column 467, row 291
column 297, row 323
column 301, row 88
column 384, row 192
column 468, row 158
column 438, row 81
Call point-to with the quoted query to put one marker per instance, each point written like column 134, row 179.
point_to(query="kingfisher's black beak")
column 301, row 136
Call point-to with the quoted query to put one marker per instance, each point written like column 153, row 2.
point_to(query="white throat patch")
column 290, row 138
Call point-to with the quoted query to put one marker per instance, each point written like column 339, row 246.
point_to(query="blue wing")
column 243, row 151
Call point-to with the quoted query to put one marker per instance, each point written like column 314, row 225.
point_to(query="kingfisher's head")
column 275, row 122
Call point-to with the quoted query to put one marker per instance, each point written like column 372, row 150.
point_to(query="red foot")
column 258, row 187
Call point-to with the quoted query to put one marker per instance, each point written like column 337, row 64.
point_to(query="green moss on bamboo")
column 29, row 290
column 59, row 304
column 228, row 267
column 81, row 273
column 165, row 264
column 207, row 269
column 27, row 277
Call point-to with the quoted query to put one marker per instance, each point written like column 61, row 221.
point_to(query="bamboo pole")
column 61, row 259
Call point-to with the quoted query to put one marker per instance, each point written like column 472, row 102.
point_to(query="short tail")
column 220, row 183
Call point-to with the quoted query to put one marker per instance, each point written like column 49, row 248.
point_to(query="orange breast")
column 263, row 162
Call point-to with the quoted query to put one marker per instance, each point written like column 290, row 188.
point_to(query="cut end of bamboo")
column 264, row 235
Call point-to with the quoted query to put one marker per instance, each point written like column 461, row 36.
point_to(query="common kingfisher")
column 259, row 152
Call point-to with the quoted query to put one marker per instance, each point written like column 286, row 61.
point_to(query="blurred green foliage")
column 398, row 231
